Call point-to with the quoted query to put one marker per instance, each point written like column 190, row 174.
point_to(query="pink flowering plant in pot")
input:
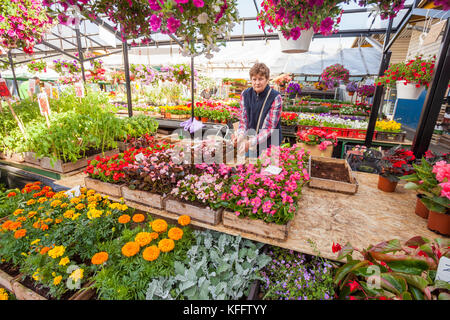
column 253, row 192
column 317, row 136
column 22, row 24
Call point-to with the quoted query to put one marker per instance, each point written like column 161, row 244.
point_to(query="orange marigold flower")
column 151, row 253
column 44, row 250
column 6, row 224
column 15, row 225
column 125, row 218
column 175, row 233
column 35, row 188
column 143, row 238
column 31, row 214
column 159, row 225
column 31, row 202
column 20, row 233
column 166, row 245
column 154, row 235
column 58, row 220
column 49, row 194
column 100, row 258
column 17, row 212
column 26, row 190
column 80, row 206
column 138, row 217
column 11, row 194
column 37, row 225
column 44, row 227
column 37, row 183
column 130, row 249
column 21, row 219
column 42, row 200
column 184, row 220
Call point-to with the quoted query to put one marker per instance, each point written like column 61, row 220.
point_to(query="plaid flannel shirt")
column 269, row 124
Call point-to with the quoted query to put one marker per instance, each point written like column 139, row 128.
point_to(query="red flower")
column 336, row 247
column 353, row 286
column 11, row 194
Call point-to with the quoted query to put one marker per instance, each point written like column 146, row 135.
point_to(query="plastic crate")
column 391, row 136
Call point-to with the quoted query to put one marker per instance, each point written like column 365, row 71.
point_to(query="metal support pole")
column 80, row 53
column 378, row 95
column 127, row 76
column 14, row 73
column 192, row 87
column 434, row 98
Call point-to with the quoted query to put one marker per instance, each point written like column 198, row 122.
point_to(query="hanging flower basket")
column 408, row 90
column 296, row 46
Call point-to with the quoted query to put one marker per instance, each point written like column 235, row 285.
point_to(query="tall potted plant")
column 410, row 78
column 395, row 163
column 432, row 180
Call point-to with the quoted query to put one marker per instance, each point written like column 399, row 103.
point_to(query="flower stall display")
column 317, row 141
column 410, row 78
column 351, row 88
column 221, row 272
column 37, row 66
column 392, row 270
column 431, row 180
column 151, row 249
column 23, row 24
column 297, row 21
column 396, row 162
column 295, row 276
column 210, row 20
column 335, row 74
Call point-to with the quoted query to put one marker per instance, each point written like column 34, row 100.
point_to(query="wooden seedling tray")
column 110, row 189
column 333, row 185
column 143, row 197
column 205, row 215
column 256, row 226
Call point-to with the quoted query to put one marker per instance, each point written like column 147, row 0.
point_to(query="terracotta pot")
column 167, row 115
column 197, row 118
column 216, row 121
column 351, row 93
column 224, row 121
column 386, row 185
column 421, row 210
column 204, row 119
column 439, row 222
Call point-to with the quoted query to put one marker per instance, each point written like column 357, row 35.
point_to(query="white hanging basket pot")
column 296, row 46
column 409, row 91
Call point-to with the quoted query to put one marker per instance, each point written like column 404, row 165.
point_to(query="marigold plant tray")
column 323, row 179
column 197, row 213
column 110, row 189
column 256, row 226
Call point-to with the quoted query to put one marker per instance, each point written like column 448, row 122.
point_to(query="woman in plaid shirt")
column 259, row 123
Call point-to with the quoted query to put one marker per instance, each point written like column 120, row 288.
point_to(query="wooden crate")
column 143, row 197
column 31, row 157
column 258, row 227
column 110, row 189
column 123, row 146
column 62, row 167
column 333, row 185
column 205, row 215
column 6, row 280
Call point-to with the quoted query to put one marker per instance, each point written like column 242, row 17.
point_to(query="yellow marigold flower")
column 108, row 213
column 90, row 192
column 40, row 208
column 21, row 219
column 175, row 233
column 3, row 294
column 75, row 216
column 75, row 200
column 64, row 261
column 32, row 214
column 58, row 220
column 93, row 213
column 48, row 220
column 82, row 196
column 35, row 276
column 166, row 245
column 184, row 220
column 159, row 225
column 98, row 197
column 42, row 199
column 77, row 274
column 64, row 205
column 35, row 241
column 83, row 190
column 139, row 217
column 151, row 253
column 56, row 252
column 92, row 205
column 57, row 280
column 68, row 214
column 124, row 219
column 130, row 249
column 91, row 199
column 123, row 207
column 17, row 212
column 31, row 202
column 143, row 238
column 100, row 258
column 24, row 254
column 80, row 206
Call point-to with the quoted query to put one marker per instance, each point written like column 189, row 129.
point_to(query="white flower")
column 202, row 18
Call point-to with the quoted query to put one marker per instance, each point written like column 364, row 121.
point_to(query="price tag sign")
column 48, row 89
column 443, row 271
column 44, row 106
column 74, row 192
column 4, row 91
column 272, row 170
column 139, row 157
column 79, row 89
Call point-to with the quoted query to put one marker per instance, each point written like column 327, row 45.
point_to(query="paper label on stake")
column 139, row 157
column 48, row 89
column 272, row 170
column 4, row 91
column 443, row 271
column 74, row 192
column 44, row 106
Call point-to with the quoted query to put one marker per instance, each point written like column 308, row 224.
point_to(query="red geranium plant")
column 289, row 118
column 317, row 136
column 397, row 162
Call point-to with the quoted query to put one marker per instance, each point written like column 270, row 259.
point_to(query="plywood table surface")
column 368, row 217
